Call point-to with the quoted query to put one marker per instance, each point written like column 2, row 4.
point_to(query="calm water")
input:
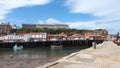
column 42, row 55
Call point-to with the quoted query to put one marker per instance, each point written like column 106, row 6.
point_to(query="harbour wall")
column 63, row 43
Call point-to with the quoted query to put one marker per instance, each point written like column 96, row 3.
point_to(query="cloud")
column 106, row 11
column 6, row 6
column 95, row 7
column 53, row 21
column 40, row 22
column 49, row 21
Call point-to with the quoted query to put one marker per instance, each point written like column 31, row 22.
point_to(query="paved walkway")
column 106, row 55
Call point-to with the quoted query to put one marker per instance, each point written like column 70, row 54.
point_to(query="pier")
column 106, row 55
column 63, row 43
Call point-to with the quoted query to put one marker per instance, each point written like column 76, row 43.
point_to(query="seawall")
column 65, row 43
column 106, row 55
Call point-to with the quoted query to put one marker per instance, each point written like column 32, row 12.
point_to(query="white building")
column 24, row 37
column 39, row 36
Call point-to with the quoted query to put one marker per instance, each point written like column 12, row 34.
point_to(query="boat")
column 56, row 46
column 15, row 48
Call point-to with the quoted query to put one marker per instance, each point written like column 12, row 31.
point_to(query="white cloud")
column 107, row 11
column 52, row 21
column 95, row 7
column 7, row 5
column 49, row 21
column 40, row 22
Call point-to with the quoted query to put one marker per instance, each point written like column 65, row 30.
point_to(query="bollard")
column 94, row 45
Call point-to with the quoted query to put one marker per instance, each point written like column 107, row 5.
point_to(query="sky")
column 79, row 14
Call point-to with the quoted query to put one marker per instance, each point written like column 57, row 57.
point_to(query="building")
column 11, row 38
column 29, row 26
column 24, row 37
column 5, row 28
column 76, row 37
column 38, row 37
column 56, row 37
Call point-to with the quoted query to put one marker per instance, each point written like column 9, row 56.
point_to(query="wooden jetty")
column 63, row 43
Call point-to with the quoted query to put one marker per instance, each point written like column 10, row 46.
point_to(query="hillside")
column 69, row 32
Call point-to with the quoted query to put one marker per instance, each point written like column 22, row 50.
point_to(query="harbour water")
column 32, row 57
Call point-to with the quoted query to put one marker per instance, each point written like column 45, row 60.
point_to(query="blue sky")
column 80, row 14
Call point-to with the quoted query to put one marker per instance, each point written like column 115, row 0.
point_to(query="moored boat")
column 17, row 47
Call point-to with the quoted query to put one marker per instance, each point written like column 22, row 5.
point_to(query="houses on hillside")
column 7, row 36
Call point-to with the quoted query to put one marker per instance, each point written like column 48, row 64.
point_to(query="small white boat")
column 17, row 48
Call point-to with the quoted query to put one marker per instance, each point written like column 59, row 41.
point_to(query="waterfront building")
column 76, row 37
column 11, row 38
column 95, row 36
column 56, row 37
column 24, row 37
column 31, row 26
column 38, row 37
